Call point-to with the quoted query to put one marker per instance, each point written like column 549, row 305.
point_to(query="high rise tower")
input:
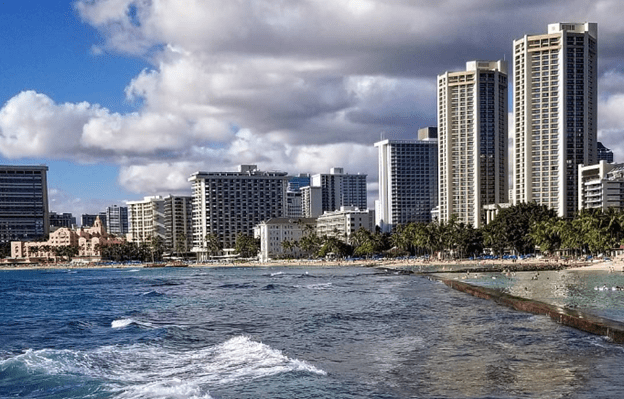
column 24, row 212
column 555, row 113
column 408, row 180
column 472, row 140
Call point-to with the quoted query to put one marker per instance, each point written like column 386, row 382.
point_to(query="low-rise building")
column 87, row 241
column 344, row 222
column 273, row 233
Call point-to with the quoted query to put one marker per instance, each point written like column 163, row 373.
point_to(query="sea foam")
column 148, row 370
column 121, row 323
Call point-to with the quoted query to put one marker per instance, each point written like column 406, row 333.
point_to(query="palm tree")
column 547, row 234
column 46, row 249
column 212, row 244
column 181, row 244
column 156, row 245
column 33, row 251
column 247, row 246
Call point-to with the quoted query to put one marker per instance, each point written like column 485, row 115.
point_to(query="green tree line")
column 519, row 229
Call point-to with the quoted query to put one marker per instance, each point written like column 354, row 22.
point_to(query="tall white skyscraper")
column 555, row 114
column 408, row 180
column 472, row 140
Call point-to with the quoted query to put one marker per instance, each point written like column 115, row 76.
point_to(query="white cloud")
column 299, row 86
column 135, row 133
column 158, row 178
column 611, row 124
column 32, row 125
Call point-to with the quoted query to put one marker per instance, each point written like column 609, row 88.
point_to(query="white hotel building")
column 601, row 186
column 146, row 219
column 472, row 140
column 555, row 114
column 273, row 232
column 408, row 180
column 342, row 223
column 229, row 203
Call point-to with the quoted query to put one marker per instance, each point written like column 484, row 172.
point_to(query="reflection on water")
column 597, row 292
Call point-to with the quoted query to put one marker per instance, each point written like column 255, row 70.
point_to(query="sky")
column 126, row 98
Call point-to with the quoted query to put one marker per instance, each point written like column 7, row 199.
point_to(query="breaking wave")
column 148, row 371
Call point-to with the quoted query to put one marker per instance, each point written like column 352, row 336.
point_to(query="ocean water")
column 598, row 292
column 296, row 332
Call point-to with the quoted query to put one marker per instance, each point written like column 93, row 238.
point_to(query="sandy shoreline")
column 616, row 265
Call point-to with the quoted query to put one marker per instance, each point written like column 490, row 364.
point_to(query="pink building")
column 88, row 242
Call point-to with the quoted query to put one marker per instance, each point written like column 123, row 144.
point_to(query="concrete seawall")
column 568, row 317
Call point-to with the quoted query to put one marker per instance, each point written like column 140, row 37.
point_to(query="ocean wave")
column 123, row 323
column 152, row 294
column 321, row 286
column 237, row 286
column 150, row 371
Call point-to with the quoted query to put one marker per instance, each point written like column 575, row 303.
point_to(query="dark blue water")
column 283, row 333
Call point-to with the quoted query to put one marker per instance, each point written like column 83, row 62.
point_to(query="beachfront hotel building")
column 146, row 219
column 472, row 140
column 178, row 223
column 342, row 223
column 328, row 192
column 229, row 203
column 408, row 180
column 555, row 114
column 88, row 243
column 24, row 212
column 274, row 232
column 169, row 218
column 601, row 186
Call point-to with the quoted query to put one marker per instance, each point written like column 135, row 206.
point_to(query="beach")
column 617, row 264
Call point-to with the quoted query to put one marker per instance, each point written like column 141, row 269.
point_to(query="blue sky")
column 126, row 98
column 47, row 48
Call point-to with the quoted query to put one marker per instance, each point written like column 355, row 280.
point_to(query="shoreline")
column 446, row 266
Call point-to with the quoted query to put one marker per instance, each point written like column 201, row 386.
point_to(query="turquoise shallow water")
column 283, row 333
column 596, row 292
